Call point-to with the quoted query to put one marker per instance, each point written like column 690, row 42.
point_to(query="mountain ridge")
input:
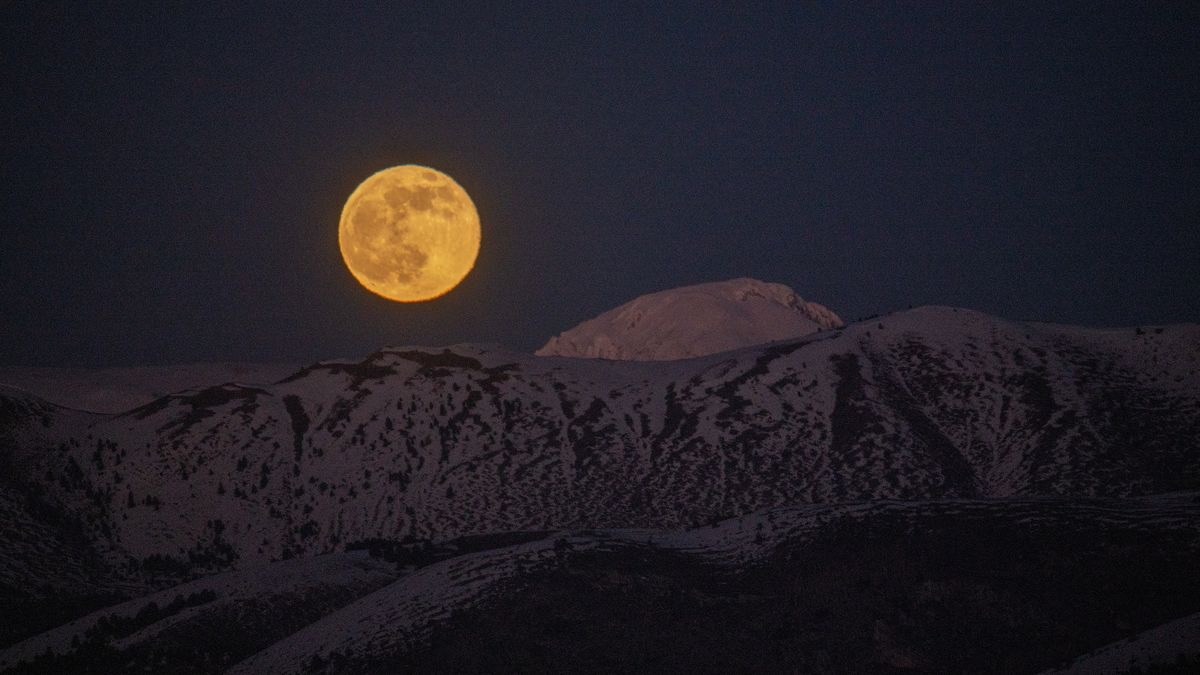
column 694, row 321
column 149, row 527
column 937, row 402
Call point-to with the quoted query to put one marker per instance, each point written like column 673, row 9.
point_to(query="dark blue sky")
column 173, row 175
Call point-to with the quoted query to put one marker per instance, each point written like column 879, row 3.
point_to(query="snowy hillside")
column 229, row 616
column 821, row 581
column 694, row 321
column 933, row 402
column 114, row 390
column 1173, row 645
column 563, row 603
column 462, row 473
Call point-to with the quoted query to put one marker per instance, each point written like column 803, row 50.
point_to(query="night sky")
column 173, row 175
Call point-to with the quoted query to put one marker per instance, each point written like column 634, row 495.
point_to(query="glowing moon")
column 409, row 233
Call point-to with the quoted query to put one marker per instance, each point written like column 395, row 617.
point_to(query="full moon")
column 409, row 233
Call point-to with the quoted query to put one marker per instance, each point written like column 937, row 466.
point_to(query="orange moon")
column 409, row 233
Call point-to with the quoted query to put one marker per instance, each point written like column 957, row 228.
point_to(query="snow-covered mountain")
column 463, row 444
column 694, row 321
column 114, row 390
column 933, row 402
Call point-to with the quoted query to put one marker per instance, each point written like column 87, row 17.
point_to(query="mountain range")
column 375, row 513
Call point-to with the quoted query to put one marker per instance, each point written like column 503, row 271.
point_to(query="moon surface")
column 409, row 233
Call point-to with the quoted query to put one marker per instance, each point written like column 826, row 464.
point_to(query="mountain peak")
column 693, row 321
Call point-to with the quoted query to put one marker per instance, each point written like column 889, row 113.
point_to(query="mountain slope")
column 930, row 403
column 947, row 586
column 207, row 624
column 694, row 321
column 1172, row 647
column 998, row 585
column 115, row 390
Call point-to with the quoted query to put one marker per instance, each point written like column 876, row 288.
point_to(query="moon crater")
column 409, row 233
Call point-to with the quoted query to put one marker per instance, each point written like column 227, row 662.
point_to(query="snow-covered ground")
column 402, row 615
column 115, row 390
column 435, row 443
column 694, row 321
column 303, row 581
column 1161, row 646
column 231, row 472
